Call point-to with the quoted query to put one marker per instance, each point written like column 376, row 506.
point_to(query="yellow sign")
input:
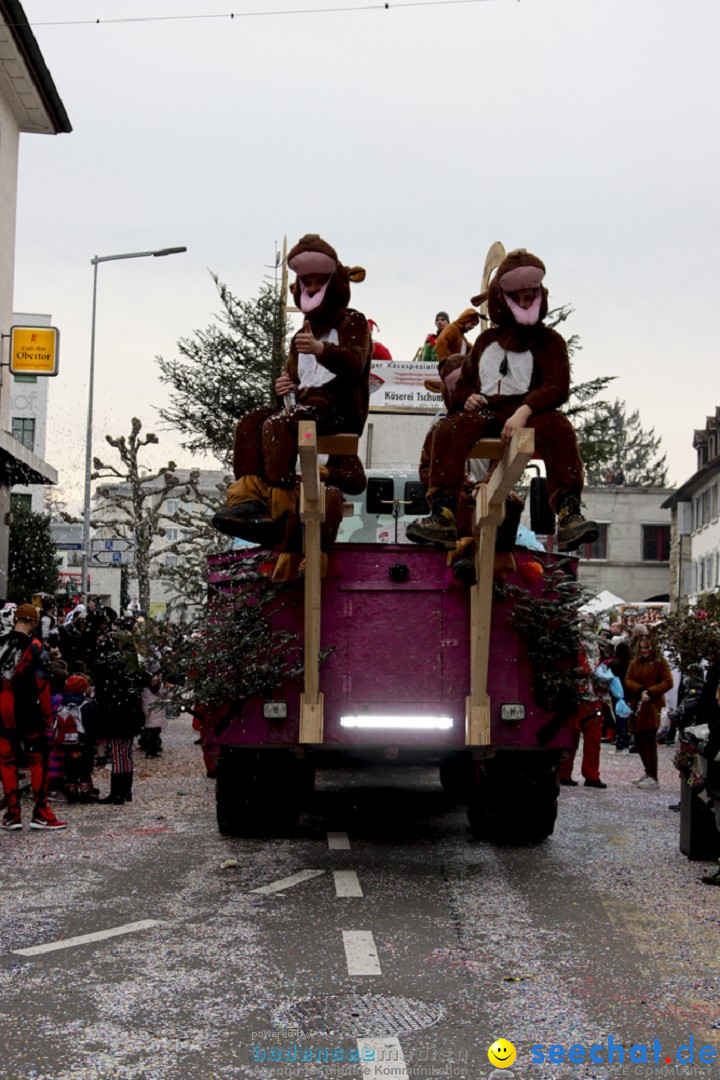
column 34, row 350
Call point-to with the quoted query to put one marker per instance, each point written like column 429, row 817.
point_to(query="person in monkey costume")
column 516, row 375
column 327, row 373
column 462, row 558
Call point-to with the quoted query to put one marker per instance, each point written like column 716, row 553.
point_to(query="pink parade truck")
column 402, row 665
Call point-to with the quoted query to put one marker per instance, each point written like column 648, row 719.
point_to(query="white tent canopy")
column 602, row 602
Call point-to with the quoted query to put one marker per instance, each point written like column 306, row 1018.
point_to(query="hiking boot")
column 11, row 821
column 249, row 521
column 45, row 819
column 464, row 571
column 567, row 781
column 438, row 528
column 573, row 529
column 712, row 879
column 596, row 784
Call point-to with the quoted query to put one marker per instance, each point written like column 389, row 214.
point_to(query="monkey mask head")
column 518, row 273
column 314, row 256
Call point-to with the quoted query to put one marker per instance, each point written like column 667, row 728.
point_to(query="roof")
column 18, row 50
column 688, row 489
column 18, row 465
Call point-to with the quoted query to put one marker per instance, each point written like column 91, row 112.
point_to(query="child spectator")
column 74, row 726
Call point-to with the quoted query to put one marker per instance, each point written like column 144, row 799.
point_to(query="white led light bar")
column 409, row 723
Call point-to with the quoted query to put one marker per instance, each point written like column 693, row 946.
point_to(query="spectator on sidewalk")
column 25, row 720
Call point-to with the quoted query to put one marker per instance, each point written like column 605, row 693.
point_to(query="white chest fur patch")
column 310, row 370
column 517, row 378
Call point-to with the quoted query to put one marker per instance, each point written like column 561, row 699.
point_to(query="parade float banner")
column 399, row 386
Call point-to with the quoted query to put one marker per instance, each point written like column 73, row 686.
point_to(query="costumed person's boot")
column 573, row 529
column 712, row 879
column 247, row 515
column 127, row 786
column 88, row 793
column 439, row 527
column 116, row 796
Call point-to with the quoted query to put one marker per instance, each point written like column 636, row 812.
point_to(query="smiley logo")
column 502, row 1054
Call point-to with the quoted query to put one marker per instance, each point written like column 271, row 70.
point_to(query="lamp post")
column 88, row 437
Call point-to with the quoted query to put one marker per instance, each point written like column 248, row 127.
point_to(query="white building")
column 695, row 509
column 29, row 102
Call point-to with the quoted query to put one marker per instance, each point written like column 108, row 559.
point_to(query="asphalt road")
column 381, row 932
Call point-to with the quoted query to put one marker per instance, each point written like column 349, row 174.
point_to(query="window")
column 171, row 560
column 656, row 543
column 171, row 535
column 598, row 550
column 171, row 506
column 23, row 429
column 18, row 503
column 714, row 501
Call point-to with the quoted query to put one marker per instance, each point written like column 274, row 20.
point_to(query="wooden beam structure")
column 489, row 512
column 312, row 515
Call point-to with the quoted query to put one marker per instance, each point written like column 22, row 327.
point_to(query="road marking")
column 347, row 883
column 84, row 939
column 288, row 882
column 387, row 1059
column 338, row 841
column 360, row 953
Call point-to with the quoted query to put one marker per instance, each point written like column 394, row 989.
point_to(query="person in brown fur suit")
column 327, row 372
column 516, row 375
column 462, row 558
column 452, row 339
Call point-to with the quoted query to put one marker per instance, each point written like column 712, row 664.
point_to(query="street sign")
column 115, row 552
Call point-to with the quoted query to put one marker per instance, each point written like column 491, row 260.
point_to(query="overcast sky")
column 584, row 130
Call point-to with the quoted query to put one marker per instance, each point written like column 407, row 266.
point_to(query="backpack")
column 68, row 725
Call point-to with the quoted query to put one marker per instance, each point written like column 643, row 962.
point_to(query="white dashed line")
column 338, row 841
column 347, row 883
column 360, row 953
column 386, row 1059
column 288, row 882
column 85, row 939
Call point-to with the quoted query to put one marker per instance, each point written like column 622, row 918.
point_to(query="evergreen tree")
column 628, row 449
column 33, row 563
column 228, row 369
column 611, row 441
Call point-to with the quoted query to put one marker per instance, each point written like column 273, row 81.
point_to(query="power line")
column 382, row 5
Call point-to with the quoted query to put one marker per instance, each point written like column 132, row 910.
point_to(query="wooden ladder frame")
column 312, row 515
column 489, row 512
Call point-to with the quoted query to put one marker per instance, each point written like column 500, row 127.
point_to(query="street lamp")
column 88, row 437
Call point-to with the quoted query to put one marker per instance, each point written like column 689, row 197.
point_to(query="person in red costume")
column 25, row 720
column 516, row 375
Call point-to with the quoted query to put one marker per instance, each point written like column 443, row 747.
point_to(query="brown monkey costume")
column 516, row 375
column 331, row 387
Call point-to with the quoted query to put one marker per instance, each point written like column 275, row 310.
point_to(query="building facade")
column 695, row 508
column 29, row 102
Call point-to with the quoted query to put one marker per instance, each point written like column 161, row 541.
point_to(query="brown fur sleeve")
column 550, row 386
column 351, row 354
column 448, row 342
column 468, row 382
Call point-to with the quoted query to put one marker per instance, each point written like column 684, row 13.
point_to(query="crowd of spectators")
column 77, row 689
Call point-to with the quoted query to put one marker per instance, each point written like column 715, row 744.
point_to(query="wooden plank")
column 477, row 723
column 338, row 444
column 311, row 720
column 307, row 449
column 489, row 512
column 510, row 468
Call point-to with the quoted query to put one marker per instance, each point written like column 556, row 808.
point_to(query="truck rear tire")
column 259, row 792
column 513, row 802
column 456, row 776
